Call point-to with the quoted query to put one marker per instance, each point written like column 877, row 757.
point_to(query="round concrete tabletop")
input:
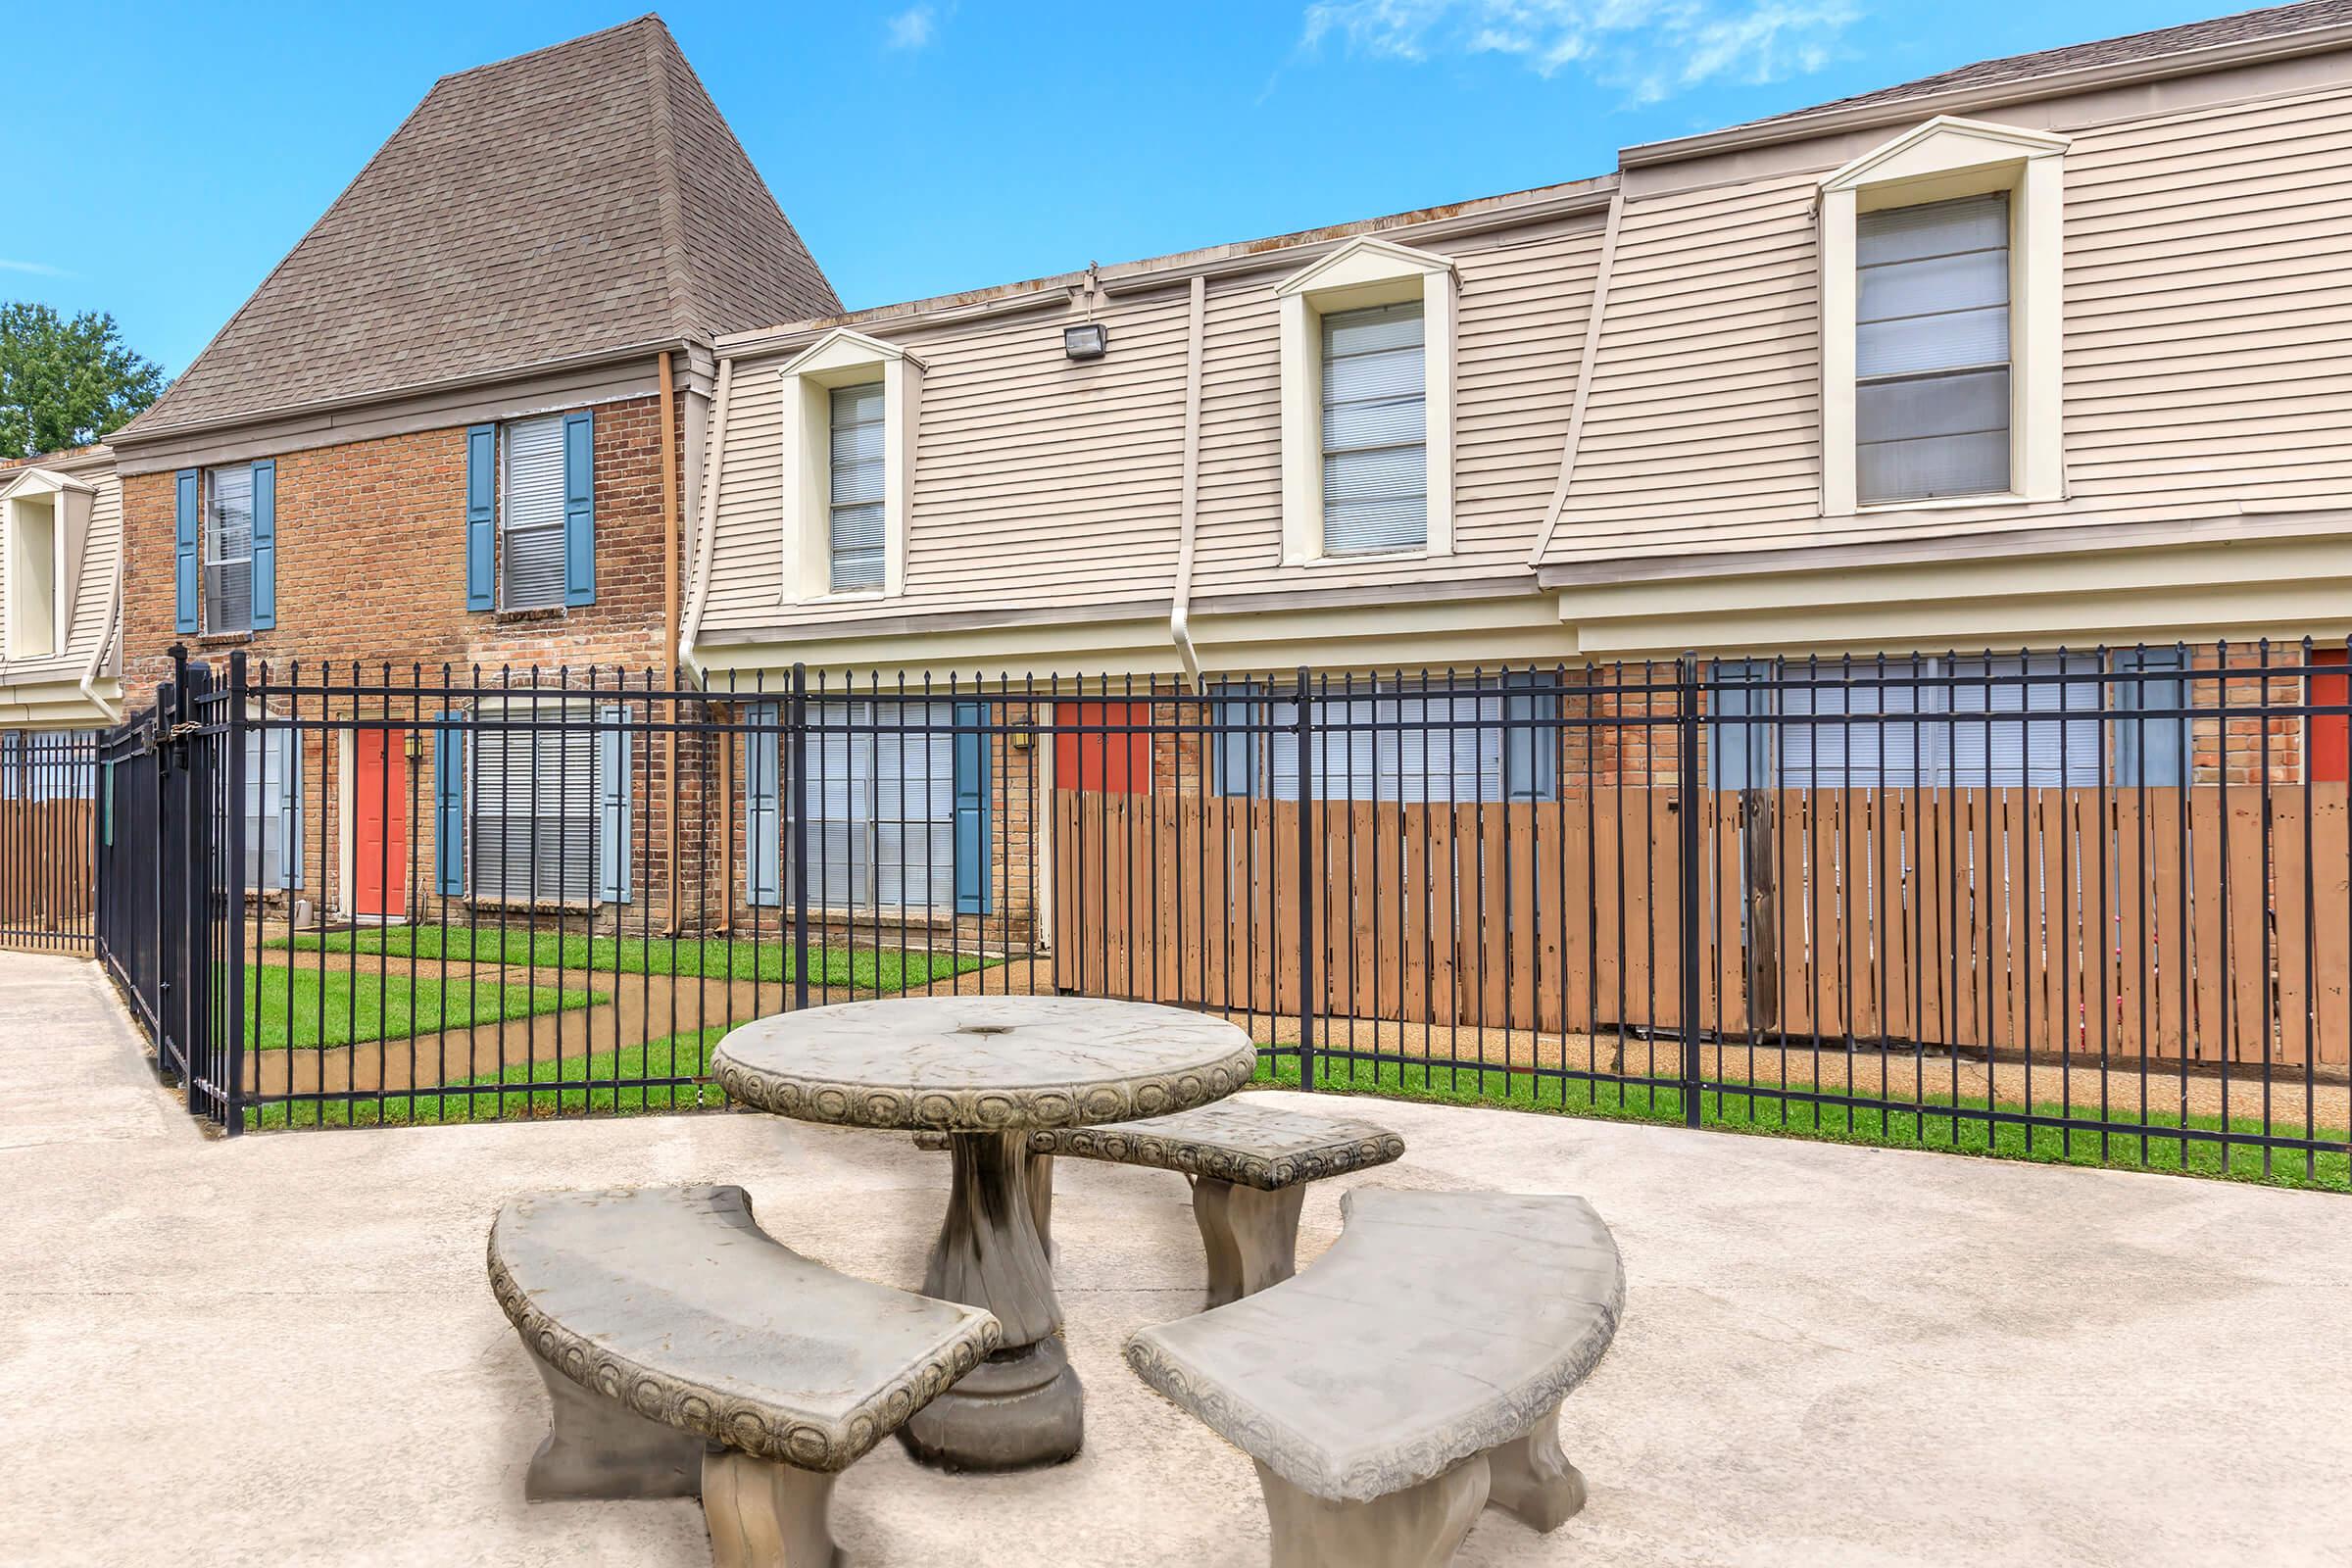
column 983, row 1063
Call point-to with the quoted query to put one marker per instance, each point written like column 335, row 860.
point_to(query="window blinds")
column 856, row 487
column 1932, row 350
column 1375, row 456
column 531, row 515
column 228, row 551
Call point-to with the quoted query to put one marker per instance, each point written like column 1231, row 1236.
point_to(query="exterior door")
column 379, row 824
column 1093, row 753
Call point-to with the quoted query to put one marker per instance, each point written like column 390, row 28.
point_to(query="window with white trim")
column 533, row 806
column 1942, row 296
column 850, row 404
column 228, row 550
column 2040, row 722
column 1406, row 741
column 881, row 783
column 273, row 809
column 530, row 514
column 1367, row 404
column 854, row 506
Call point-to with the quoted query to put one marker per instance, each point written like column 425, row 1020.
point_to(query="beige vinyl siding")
column 1038, row 482
column 2208, row 345
column 1519, row 335
column 1044, row 485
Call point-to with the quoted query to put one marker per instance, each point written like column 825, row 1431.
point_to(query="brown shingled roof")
column 580, row 199
column 2271, row 23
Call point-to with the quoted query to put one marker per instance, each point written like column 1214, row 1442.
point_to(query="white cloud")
column 37, row 268
column 912, row 27
column 1651, row 49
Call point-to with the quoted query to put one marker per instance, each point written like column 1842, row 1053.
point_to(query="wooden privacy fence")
column 2212, row 923
column 48, row 880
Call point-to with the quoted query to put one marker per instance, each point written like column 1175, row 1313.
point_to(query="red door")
column 379, row 824
column 1108, row 761
column 2329, row 750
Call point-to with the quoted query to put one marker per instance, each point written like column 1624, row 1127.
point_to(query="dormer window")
column 44, row 522
column 850, row 405
column 1367, row 404
column 1941, row 328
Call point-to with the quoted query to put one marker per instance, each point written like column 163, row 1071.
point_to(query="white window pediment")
column 1365, row 274
column 1938, row 161
column 44, row 528
column 844, row 358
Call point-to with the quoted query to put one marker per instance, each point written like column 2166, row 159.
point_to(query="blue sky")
column 174, row 154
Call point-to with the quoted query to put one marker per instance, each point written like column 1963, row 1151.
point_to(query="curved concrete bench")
column 1411, row 1376
column 1249, row 1164
column 688, row 1353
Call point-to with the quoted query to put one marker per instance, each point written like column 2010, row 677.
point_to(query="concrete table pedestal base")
column 1023, row 1406
column 1007, row 1413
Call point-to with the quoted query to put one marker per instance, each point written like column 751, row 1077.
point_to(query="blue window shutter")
column 971, row 809
column 1236, row 749
column 612, row 826
column 482, row 516
column 186, row 511
column 1738, row 754
column 2150, row 751
column 448, row 810
column 579, row 509
column 264, row 543
column 1531, row 739
column 762, row 817
column 289, row 776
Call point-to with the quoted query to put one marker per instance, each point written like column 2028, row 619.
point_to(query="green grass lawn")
column 296, row 1008
column 526, row 1090
column 1441, row 1084
column 718, row 958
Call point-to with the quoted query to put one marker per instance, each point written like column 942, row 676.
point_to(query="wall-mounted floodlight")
column 1087, row 342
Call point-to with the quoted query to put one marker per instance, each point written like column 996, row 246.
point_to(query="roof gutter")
column 706, row 525
column 113, row 632
column 132, row 436
column 1879, row 113
column 1180, row 607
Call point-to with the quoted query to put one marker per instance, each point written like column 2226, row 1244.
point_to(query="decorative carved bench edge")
column 889, row 1105
column 737, row 1422
column 1514, row 1412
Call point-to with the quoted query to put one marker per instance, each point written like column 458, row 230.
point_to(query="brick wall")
column 370, row 582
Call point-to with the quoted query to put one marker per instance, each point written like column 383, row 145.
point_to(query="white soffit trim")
column 1941, row 145
column 1364, row 260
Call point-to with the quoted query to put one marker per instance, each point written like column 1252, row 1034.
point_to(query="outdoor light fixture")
column 1087, row 342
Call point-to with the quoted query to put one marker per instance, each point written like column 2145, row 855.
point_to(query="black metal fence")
column 48, row 833
column 2091, row 906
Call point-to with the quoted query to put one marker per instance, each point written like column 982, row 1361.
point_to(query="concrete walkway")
column 281, row 1349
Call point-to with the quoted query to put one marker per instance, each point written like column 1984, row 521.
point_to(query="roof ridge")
column 677, row 274
column 654, row 17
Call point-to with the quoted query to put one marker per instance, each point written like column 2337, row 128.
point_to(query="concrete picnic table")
column 988, row 1071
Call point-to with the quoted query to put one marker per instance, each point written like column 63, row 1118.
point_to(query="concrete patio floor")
column 281, row 1349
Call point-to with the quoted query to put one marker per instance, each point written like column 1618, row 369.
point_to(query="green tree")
column 67, row 383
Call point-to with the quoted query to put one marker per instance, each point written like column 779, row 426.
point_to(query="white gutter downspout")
column 706, row 525
column 1586, row 366
column 1180, row 611
column 113, row 632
